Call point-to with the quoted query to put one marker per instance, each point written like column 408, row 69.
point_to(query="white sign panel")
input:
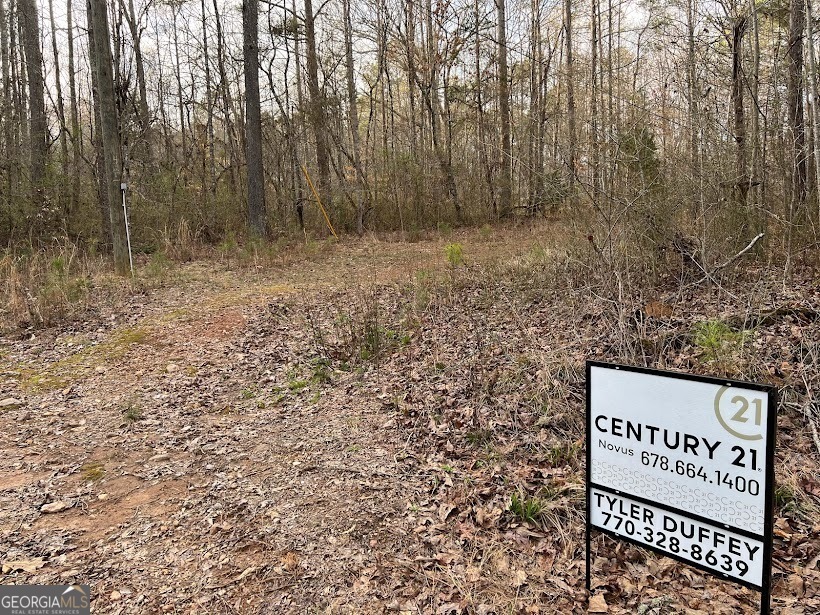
column 725, row 552
column 683, row 465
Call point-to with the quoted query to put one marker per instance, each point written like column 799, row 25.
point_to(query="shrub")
column 455, row 254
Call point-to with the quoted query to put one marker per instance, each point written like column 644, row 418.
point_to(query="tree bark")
column 741, row 181
column 595, row 152
column 64, row 161
column 37, row 109
column 104, row 206
column 754, row 87
column 484, row 159
column 317, row 112
column 815, row 100
column 535, row 169
column 795, row 101
column 109, row 129
column 253, row 119
column 74, row 112
column 505, row 197
column 431, row 100
column 209, row 105
column 227, row 103
column 794, row 93
column 571, row 138
column 353, row 116
column 410, row 45
column 183, row 160
column 5, row 110
column 143, row 115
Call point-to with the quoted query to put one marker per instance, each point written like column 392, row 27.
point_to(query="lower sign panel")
column 727, row 553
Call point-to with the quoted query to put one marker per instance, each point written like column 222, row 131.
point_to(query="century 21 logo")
column 745, row 416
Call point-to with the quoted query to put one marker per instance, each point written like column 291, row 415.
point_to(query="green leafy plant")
column 159, row 267
column 455, row 254
column 479, row 437
column 565, row 453
column 784, row 497
column 525, row 507
column 421, row 289
column 131, row 414
column 716, row 339
column 322, row 371
column 296, row 385
column 227, row 246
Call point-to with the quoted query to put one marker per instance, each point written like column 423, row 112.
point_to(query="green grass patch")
column 93, row 471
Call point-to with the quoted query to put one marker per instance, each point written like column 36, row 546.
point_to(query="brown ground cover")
column 373, row 429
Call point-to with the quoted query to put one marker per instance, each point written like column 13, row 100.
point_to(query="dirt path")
column 202, row 465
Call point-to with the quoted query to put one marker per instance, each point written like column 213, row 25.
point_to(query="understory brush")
column 494, row 390
column 357, row 330
column 40, row 288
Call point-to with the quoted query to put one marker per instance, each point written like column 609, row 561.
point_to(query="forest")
column 688, row 123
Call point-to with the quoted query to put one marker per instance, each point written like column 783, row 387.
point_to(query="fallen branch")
column 730, row 261
column 806, row 409
column 807, row 413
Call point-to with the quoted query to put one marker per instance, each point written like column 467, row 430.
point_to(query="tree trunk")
column 64, row 162
column 74, row 134
column 797, row 184
column 37, row 109
column 434, row 109
column 5, row 111
column 484, row 159
column 572, row 138
column 317, row 112
column 410, row 45
column 754, row 87
column 795, row 96
column 253, row 119
column 209, row 110
column 353, row 116
column 20, row 125
column 535, row 170
column 143, row 115
column 741, row 181
column 180, row 101
column 227, row 104
column 109, row 129
column 815, row 100
column 104, row 206
column 593, row 112
column 505, row 197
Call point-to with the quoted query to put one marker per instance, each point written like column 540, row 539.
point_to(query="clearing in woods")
column 375, row 429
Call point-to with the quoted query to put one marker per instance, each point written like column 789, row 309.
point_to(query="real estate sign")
column 683, row 465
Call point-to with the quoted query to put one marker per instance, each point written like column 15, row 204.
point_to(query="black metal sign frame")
column 768, row 522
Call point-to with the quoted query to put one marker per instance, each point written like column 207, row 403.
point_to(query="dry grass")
column 42, row 288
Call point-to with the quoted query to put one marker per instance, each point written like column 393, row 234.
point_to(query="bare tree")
column 572, row 142
column 38, row 126
column 317, row 111
column 353, row 116
column 100, row 53
column 253, row 119
column 505, row 199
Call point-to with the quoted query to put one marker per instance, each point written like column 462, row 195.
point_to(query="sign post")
column 683, row 465
column 123, row 188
